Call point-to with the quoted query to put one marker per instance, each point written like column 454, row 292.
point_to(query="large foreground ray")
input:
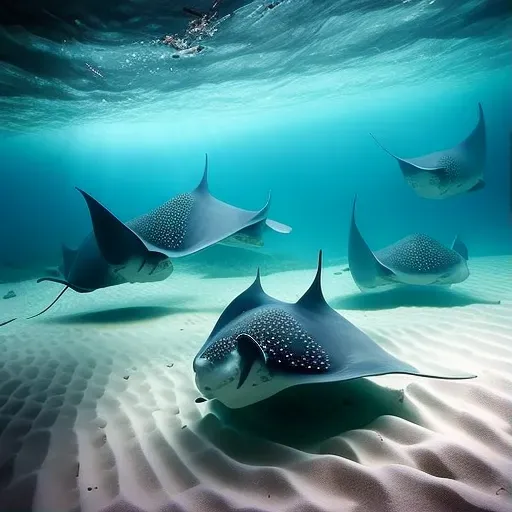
column 451, row 171
column 301, row 343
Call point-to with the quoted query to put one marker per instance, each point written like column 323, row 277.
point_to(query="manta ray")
column 141, row 249
column 414, row 260
column 260, row 346
column 450, row 172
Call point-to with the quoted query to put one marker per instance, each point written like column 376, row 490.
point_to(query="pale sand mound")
column 97, row 406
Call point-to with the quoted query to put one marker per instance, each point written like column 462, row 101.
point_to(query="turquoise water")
column 282, row 100
column 313, row 159
column 99, row 406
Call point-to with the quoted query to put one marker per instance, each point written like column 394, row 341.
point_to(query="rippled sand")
column 98, row 412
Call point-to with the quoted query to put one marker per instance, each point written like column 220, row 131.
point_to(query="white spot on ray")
column 167, row 225
column 419, row 254
column 280, row 336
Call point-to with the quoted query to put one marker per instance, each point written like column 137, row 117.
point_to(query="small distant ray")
column 450, row 172
column 414, row 260
column 261, row 346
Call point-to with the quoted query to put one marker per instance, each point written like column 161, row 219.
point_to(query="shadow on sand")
column 118, row 315
column 219, row 261
column 430, row 297
column 308, row 414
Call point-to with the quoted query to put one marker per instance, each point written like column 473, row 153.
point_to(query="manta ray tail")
column 381, row 146
column 48, row 307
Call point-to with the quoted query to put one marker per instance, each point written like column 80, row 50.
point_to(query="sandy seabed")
column 98, row 411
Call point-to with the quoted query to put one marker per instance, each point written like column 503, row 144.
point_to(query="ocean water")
column 313, row 163
column 283, row 102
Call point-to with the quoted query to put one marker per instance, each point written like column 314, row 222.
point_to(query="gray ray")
column 450, row 172
column 414, row 260
column 141, row 249
column 185, row 224
column 260, row 346
column 85, row 270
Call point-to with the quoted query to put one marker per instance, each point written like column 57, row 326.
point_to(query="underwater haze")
column 281, row 99
column 313, row 159
column 313, row 162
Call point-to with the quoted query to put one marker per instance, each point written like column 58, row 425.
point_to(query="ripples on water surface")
column 87, row 59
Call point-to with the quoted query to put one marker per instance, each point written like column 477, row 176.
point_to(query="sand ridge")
column 98, row 412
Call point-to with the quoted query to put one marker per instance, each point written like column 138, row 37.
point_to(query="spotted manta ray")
column 450, row 172
column 260, row 346
column 141, row 250
column 414, row 260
